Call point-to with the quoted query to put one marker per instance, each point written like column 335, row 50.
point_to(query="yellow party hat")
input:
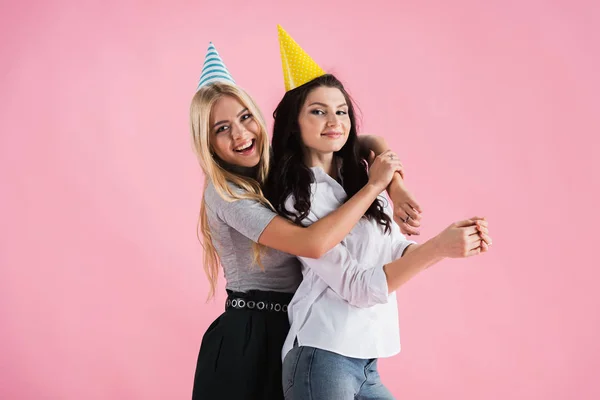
column 298, row 67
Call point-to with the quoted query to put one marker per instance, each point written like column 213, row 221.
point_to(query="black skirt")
column 240, row 355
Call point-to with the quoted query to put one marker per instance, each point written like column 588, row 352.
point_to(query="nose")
column 238, row 131
column 332, row 120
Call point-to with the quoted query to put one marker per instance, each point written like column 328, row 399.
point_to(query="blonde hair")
column 200, row 113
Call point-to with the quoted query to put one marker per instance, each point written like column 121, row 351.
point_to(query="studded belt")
column 239, row 304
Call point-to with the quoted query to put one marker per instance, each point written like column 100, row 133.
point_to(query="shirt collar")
column 322, row 177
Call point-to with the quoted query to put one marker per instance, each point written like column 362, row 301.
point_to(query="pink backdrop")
column 491, row 107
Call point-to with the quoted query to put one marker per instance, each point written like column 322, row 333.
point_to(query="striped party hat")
column 298, row 67
column 214, row 68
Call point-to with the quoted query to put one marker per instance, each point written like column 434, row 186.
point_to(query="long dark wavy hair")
column 290, row 176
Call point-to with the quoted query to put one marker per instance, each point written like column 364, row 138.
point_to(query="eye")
column 245, row 117
column 317, row 112
column 221, row 128
column 342, row 112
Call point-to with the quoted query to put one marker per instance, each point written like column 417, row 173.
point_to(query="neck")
column 323, row 160
column 249, row 172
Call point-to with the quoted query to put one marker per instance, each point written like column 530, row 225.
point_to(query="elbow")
column 366, row 297
column 367, row 301
column 319, row 252
column 315, row 249
column 366, row 292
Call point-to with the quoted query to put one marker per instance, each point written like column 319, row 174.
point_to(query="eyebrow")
column 224, row 122
column 325, row 105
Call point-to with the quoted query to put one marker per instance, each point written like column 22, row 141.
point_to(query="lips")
column 332, row 134
column 246, row 147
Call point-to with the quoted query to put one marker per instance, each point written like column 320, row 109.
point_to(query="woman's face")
column 234, row 133
column 324, row 121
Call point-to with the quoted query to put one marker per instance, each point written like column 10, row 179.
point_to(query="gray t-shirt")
column 234, row 226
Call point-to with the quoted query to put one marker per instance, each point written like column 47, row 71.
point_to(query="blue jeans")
column 315, row 374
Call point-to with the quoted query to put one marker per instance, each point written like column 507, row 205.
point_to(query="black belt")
column 239, row 303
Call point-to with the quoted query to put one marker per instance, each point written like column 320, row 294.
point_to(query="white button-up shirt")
column 342, row 304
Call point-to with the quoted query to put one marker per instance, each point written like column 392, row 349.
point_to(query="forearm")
column 323, row 235
column 377, row 144
column 327, row 232
column 416, row 258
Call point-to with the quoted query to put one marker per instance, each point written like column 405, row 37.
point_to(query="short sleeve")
column 248, row 217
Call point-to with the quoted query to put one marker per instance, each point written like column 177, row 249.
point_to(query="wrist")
column 398, row 177
column 396, row 190
column 373, row 188
column 435, row 247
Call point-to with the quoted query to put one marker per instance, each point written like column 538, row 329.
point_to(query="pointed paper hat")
column 298, row 67
column 214, row 68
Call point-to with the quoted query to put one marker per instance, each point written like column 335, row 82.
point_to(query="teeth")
column 244, row 146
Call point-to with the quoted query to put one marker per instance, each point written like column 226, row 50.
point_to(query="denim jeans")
column 315, row 374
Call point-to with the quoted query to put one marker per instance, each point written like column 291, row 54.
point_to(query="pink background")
column 491, row 107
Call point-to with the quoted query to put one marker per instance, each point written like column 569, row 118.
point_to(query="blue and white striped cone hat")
column 214, row 68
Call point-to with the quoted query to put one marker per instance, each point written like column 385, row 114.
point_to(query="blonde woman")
column 240, row 353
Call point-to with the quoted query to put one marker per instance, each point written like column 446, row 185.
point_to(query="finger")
column 486, row 239
column 470, row 230
column 482, row 222
column 401, row 213
column 412, row 204
column 401, row 172
column 473, row 239
column 480, row 236
column 387, row 154
column 475, row 233
column 411, row 212
column 484, row 247
column 474, row 252
column 401, row 216
column 394, row 162
column 397, row 168
column 414, row 222
column 467, row 222
column 371, row 158
column 409, row 230
column 416, row 206
column 482, row 229
column 406, row 228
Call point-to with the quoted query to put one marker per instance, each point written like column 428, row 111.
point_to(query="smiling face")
column 324, row 121
column 234, row 133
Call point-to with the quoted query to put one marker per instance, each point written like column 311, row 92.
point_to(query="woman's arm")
column 322, row 236
column 460, row 240
column 365, row 286
column 405, row 205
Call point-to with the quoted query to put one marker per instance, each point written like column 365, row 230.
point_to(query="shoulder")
column 214, row 197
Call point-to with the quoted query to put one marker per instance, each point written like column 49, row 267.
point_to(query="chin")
column 335, row 149
column 251, row 163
